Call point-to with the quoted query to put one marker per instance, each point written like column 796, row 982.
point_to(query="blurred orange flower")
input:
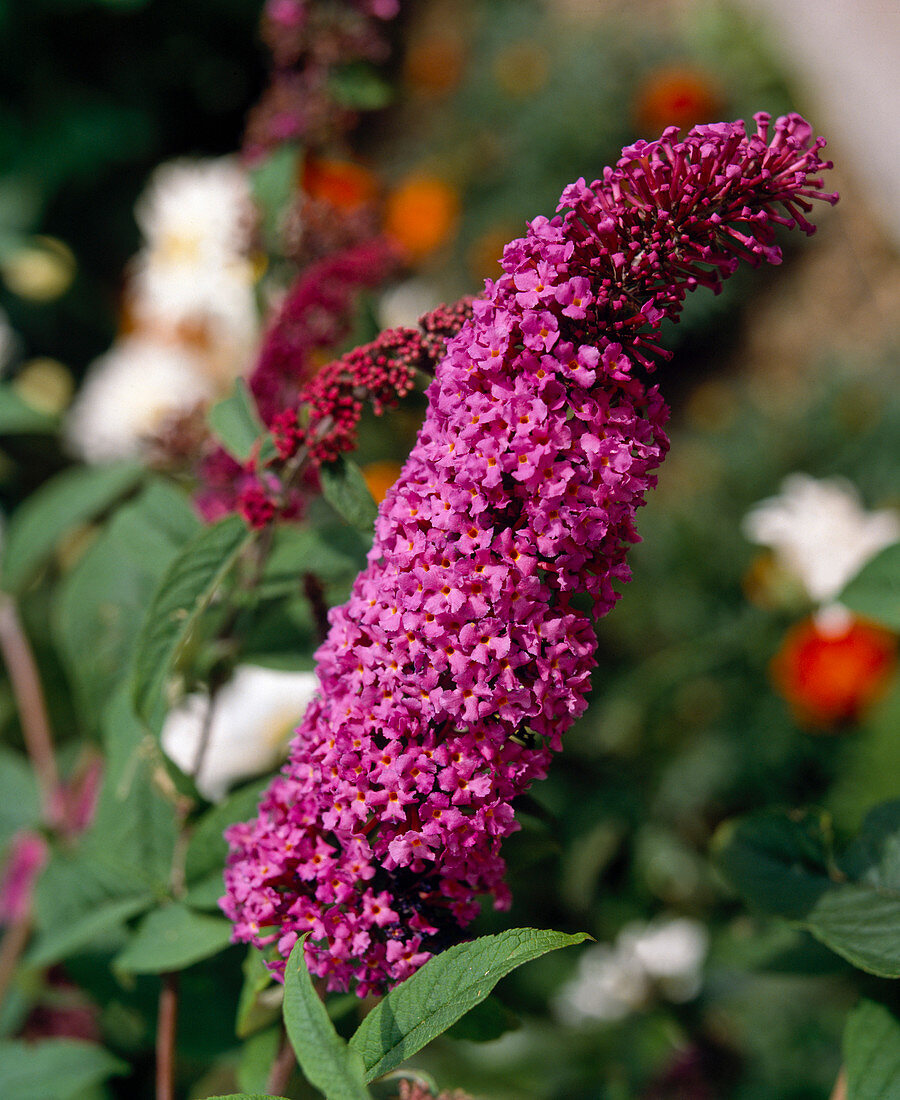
column 421, row 214
column 342, row 183
column 380, row 476
column 675, row 96
column 829, row 678
column 434, row 64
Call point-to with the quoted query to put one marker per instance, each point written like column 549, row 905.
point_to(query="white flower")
column 129, row 393
column 194, row 270
column 404, row 304
column 253, row 718
column 820, row 531
column 665, row 957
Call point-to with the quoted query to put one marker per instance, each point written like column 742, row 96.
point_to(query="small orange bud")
column 829, row 678
column 342, row 183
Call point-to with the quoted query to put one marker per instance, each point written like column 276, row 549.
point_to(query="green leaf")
column 72, row 497
column 485, row 1022
column 172, row 938
column 70, row 938
column 257, row 1007
column 236, row 423
column 54, row 1069
column 872, row 1053
column 20, row 805
column 274, row 183
column 257, row 1055
column 359, row 86
column 875, row 591
column 785, row 866
column 207, row 849
column 345, row 489
column 332, row 552
column 184, row 592
column 447, row 986
column 133, row 833
column 326, row 1060
column 105, row 596
column 17, row 416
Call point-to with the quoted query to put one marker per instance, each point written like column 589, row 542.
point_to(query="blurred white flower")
column 820, row 532
column 404, row 304
column 253, row 718
column 195, row 270
column 664, row 958
column 129, row 393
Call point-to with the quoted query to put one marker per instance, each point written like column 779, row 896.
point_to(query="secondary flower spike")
column 461, row 657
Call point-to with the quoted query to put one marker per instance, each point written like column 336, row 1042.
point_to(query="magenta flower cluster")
column 462, row 656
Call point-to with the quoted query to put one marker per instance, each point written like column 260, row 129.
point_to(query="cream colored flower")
column 129, row 393
column 664, row 958
column 253, row 718
column 820, row 532
column 195, row 271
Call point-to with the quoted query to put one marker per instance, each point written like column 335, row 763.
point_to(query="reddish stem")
column 165, row 1037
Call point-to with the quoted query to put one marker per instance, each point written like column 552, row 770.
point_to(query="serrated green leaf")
column 872, row 1053
column 171, row 938
column 446, row 987
column 55, row 1069
column 785, row 866
column 207, row 849
column 184, row 592
column 17, row 416
column 327, row 1061
column 70, row 938
column 345, row 489
column 875, row 592
column 236, row 423
column 72, row 497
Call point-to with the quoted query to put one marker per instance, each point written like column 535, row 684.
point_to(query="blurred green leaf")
column 257, row 1055
column 134, row 831
column 172, row 938
column 446, row 987
column 872, row 1053
column 103, row 599
column 345, row 489
column 236, row 423
column 73, row 937
column 327, row 1061
column 875, row 591
column 183, row 594
column 18, row 416
column 54, row 1069
column 20, row 806
column 254, row 1011
column 784, row 865
column 207, row 849
column 274, row 184
column 360, row 87
column 72, row 497
column 485, row 1022
column 331, row 551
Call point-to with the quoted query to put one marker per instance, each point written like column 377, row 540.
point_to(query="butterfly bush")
column 466, row 648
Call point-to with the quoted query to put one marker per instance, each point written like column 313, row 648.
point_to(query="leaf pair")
column 410, row 1016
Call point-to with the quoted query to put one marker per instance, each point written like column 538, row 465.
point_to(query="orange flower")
column 421, row 215
column 380, row 476
column 675, row 96
column 342, row 183
column 830, row 678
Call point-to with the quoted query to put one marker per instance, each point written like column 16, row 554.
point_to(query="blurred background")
column 715, row 692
